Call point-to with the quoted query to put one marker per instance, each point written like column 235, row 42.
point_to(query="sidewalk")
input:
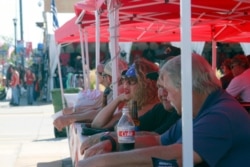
column 27, row 137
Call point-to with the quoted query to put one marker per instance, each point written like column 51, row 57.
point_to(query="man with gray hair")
column 221, row 126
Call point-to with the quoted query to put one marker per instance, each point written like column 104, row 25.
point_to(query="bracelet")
column 111, row 139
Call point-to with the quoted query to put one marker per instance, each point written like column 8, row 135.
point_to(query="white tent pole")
column 97, row 45
column 214, row 56
column 117, row 48
column 186, row 82
column 87, row 58
column 54, row 50
column 83, row 56
column 214, row 49
column 114, row 49
column 60, row 78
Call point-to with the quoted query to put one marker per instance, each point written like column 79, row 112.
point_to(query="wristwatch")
column 111, row 139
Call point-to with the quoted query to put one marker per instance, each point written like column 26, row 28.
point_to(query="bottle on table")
column 134, row 115
column 126, row 131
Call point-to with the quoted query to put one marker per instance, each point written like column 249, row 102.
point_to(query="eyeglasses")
column 129, row 80
column 233, row 65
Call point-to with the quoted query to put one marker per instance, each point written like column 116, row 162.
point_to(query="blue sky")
column 32, row 13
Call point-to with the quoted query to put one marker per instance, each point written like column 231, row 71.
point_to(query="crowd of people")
column 221, row 126
column 16, row 80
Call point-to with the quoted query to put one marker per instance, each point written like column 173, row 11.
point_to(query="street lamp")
column 15, row 21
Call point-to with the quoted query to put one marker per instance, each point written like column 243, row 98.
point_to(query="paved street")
column 27, row 137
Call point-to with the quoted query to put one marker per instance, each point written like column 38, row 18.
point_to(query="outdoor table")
column 77, row 137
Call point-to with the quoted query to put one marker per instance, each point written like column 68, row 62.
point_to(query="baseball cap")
column 131, row 73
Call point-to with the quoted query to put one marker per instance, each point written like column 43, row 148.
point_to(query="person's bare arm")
column 94, row 139
column 138, row 157
column 141, row 141
column 105, row 116
column 68, row 119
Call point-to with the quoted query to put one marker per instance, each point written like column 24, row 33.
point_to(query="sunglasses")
column 129, row 80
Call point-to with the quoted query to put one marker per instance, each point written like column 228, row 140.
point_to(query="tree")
column 7, row 50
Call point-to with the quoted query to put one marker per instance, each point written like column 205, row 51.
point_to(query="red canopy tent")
column 155, row 20
column 159, row 21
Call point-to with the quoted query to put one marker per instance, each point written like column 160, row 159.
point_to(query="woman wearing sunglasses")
column 136, row 87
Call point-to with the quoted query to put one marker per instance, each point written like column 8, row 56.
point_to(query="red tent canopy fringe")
column 155, row 20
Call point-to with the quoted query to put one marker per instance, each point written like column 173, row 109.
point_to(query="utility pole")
column 21, row 30
column 21, row 18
